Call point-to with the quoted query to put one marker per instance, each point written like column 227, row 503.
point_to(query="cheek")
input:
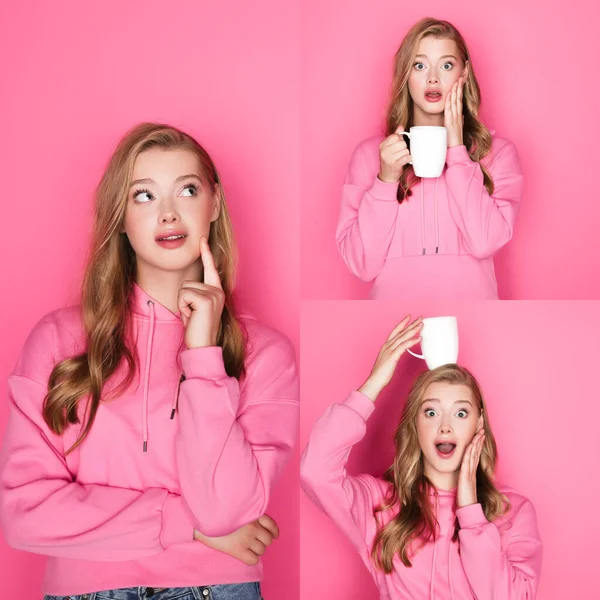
column 465, row 430
column 426, row 431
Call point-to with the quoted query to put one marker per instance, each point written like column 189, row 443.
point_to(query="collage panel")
column 453, row 476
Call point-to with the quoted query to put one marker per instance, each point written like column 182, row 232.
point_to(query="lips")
column 170, row 234
column 433, row 95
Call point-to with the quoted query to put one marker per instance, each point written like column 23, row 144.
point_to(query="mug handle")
column 408, row 134
column 415, row 354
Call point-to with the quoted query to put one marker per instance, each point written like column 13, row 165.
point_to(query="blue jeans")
column 229, row 591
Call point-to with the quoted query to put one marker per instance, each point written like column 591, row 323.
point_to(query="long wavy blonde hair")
column 110, row 274
column 409, row 492
column 476, row 135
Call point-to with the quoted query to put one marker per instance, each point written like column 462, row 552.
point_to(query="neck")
column 164, row 285
column 422, row 118
column 442, row 481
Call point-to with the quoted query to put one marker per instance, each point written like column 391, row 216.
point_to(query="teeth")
column 173, row 237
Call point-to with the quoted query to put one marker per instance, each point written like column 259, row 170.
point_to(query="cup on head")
column 440, row 341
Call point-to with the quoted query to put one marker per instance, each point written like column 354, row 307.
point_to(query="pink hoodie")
column 440, row 242
column 497, row 561
column 111, row 515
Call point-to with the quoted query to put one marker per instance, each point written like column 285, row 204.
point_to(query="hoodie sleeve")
column 501, row 568
column 230, row 450
column 43, row 510
column 485, row 222
column 347, row 500
column 367, row 219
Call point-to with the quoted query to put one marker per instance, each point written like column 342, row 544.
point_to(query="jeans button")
column 205, row 592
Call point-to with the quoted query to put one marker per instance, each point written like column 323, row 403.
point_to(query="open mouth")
column 446, row 449
column 433, row 96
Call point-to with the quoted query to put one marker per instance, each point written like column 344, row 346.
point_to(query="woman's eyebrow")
column 438, row 400
column 180, row 178
column 445, row 56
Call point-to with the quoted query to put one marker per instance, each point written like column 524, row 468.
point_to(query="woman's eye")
column 449, row 64
column 192, row 189
column 139, row 196
column 430, row 412
column 462, row 414
column 417, row 65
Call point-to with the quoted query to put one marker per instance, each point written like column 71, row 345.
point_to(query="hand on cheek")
column 453, row 113
column 467, row 479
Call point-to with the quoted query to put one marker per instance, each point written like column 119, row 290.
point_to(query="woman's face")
column 169, row 193
column 446, row 423
column 437, row 66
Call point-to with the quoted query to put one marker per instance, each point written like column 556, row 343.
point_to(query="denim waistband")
column 229, row 591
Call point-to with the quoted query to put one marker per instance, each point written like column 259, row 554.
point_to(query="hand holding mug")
column 201, row 304
column 467, row 478
column 393, row 155
column 453, row 112
column 247, row 543
column 402, row 337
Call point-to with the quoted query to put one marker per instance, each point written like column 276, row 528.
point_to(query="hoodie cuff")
column 384, row 190
column 359, row 403
column 204, row 363
column 471, row 516
column 176, row 526
column 457, row 154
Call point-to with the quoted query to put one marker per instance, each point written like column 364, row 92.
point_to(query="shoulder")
column 54, row 337
column 261, row 337
column 369, row 148
column 501, row 148
column 270, row 355
column 521, row 517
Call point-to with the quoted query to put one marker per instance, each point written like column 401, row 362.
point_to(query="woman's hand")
column 453, row 112
column 201, row 304
column 403, row 336
column 467, row 478
column 393, row 155
column 247, row 543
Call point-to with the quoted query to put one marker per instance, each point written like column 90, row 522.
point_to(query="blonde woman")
column 436, row 525
column 148, row 423
column 416, row 237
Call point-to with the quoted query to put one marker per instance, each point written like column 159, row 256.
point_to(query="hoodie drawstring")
column 176, row 396
column 423, row 213
column 147, row 377
column 434, row 553
column 437, row 224
column 450, row 565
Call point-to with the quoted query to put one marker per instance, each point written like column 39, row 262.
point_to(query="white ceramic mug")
column 440, row 341
column 428, row 147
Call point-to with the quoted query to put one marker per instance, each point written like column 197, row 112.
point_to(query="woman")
column 436, row 525
column 421, row 238
column 148, row 424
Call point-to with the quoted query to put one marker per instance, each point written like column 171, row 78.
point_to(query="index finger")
column 402, row 325
column 211, row 275
column 269, row 524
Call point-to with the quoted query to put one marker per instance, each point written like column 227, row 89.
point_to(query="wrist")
column 370, row 389
column 387, row 178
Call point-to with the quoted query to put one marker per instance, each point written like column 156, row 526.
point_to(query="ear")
column 217, row 200
column 466, row 69
column 480, row 422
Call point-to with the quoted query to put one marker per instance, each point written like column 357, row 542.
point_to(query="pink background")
column 75, row 77
column 537, row 364
column 535, row 64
